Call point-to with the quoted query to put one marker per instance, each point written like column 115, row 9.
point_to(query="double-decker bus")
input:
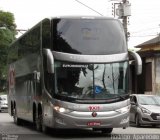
column 71, row 72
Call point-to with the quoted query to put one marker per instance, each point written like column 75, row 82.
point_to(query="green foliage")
column 7, row 36
column 7, row 28
column 7, row 20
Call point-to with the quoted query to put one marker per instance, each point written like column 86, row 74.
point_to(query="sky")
column 144, row 22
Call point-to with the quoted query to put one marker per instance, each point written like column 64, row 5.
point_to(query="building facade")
column 149, row 81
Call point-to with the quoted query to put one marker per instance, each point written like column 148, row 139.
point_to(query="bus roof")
column 62, row 17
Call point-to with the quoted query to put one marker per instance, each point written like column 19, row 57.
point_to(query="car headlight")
column 124, row 109
column 146, row 111
column 61, row 109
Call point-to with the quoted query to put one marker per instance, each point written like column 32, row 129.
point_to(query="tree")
column 7, row 36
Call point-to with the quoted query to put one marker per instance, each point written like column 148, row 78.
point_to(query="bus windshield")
column 88, row 36
column 90, row 81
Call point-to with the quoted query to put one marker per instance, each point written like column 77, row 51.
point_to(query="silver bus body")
column 58, row 80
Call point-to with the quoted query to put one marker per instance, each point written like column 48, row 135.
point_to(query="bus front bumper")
column 88, row 120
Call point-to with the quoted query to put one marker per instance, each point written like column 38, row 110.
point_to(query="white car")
column 3, row 103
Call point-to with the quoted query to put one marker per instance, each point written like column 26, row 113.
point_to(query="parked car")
column 3, row 103
column 145, row 109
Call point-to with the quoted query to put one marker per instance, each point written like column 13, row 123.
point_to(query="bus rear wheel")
column 15, row 117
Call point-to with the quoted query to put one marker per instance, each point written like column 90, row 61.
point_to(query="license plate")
column 158, row 117
column 94, row 123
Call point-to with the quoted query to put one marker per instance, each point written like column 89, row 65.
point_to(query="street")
column 9, row 130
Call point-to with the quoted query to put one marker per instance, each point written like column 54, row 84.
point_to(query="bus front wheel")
column 104, row 130
column 107, row 130
column 137, row 121
column 39, row 122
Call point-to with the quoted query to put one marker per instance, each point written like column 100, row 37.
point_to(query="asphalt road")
column 10, row 131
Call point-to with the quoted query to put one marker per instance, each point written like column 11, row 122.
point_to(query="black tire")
column 44, row 129
column 154, row 125
column 107, row 130
column 15, row 117
column 137, row 121
column 39, row 122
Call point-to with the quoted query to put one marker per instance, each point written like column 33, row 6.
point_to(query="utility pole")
column 126, row 13
column 123, row 11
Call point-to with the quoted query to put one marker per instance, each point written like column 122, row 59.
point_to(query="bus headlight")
column 124, row 109
column 61, row 109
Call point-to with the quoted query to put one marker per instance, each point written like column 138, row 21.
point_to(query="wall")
column 157, row 75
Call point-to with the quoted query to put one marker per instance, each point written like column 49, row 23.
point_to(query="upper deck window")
column 88, row 36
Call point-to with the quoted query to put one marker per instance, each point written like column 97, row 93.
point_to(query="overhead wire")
column 89, row 7
column 103, row 15
column 146, row 29
column 142, row 35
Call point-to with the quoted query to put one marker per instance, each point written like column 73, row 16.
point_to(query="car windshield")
column 91, row 81
column 158, row 99
column 149, row 100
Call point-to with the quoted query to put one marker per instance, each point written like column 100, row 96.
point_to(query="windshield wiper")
column 150, row 104
column 123, row 97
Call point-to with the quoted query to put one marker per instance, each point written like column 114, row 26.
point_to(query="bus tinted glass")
column 91, row 81
column 88, row 36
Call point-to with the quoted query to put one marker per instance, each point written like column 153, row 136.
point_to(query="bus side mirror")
column 50, row 60
column 138, row 61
